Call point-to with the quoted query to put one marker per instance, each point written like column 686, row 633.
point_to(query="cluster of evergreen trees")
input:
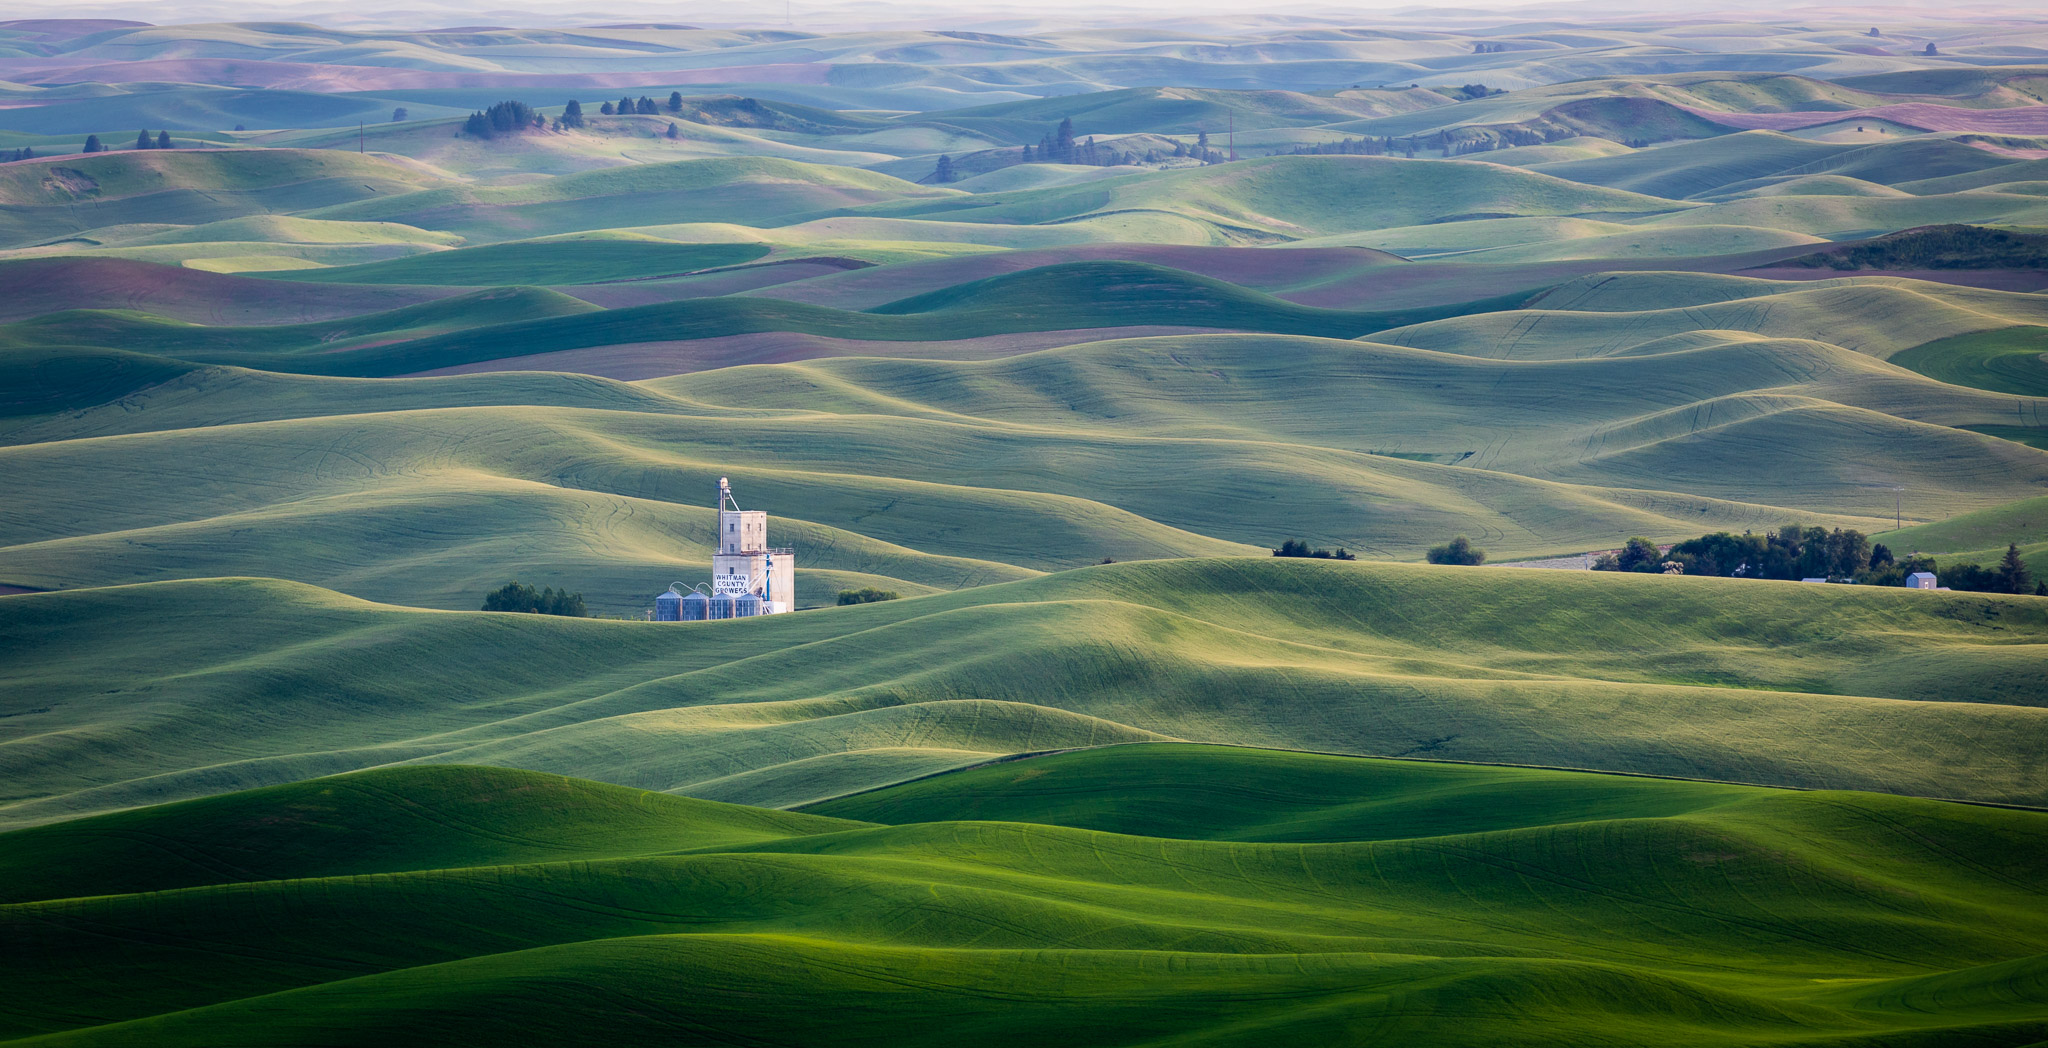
column 1793, row 553
column 514, row 596
column 161, row 141
column 24, row 153
column 505, row 118
column 1489, row 49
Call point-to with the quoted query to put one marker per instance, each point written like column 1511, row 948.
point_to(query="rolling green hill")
column 2008, row 360
column 516, row 321
column 63, row 196
column 1296, row 197
column 509, row 904
column 243, row 683
column 748, row 191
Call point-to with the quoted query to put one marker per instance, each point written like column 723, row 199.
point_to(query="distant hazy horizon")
column 1049, row 15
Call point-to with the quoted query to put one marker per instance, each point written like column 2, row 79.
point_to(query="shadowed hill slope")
column 1641, row 911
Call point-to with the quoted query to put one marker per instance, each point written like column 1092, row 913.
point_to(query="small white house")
column 1922, row 580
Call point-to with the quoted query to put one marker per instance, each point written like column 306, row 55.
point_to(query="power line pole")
column 359, row 136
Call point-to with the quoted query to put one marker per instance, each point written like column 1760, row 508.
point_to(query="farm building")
column 1923, row 580
column 748, row 577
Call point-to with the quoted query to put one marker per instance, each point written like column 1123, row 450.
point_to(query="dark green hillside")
column 325, row 343
column 1220, row 793
column 1640, row 912
column 542, row 263
column 379, row 822
column 2007, row 360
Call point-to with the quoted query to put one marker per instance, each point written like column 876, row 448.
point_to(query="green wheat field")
column 1046, row 340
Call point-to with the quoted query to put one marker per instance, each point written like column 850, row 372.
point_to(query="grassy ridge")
column 1722, row 679
column 1714, row 916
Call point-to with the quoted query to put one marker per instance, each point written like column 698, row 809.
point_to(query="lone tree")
column 943, row 172
column 606, row 109
column 163, row 140
column 675, row 101
column 1457, row 551
column 143, row 141
column 398, row 114
column 1930, row 49
column 2013, row 576
column 572, row 114
column 92, row 144
column 672, row 132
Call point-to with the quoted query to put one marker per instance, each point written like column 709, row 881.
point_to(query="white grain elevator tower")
column 742, row 562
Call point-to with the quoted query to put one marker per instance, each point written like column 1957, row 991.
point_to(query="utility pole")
column 359, row 136
column 1898, row 508
column 1233, row 135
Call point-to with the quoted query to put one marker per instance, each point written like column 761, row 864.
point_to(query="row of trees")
column 1793, row 552
column 1298, row 548
column 24, row 153
column 866, row 595
column 94, row 145
column 514, row 596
